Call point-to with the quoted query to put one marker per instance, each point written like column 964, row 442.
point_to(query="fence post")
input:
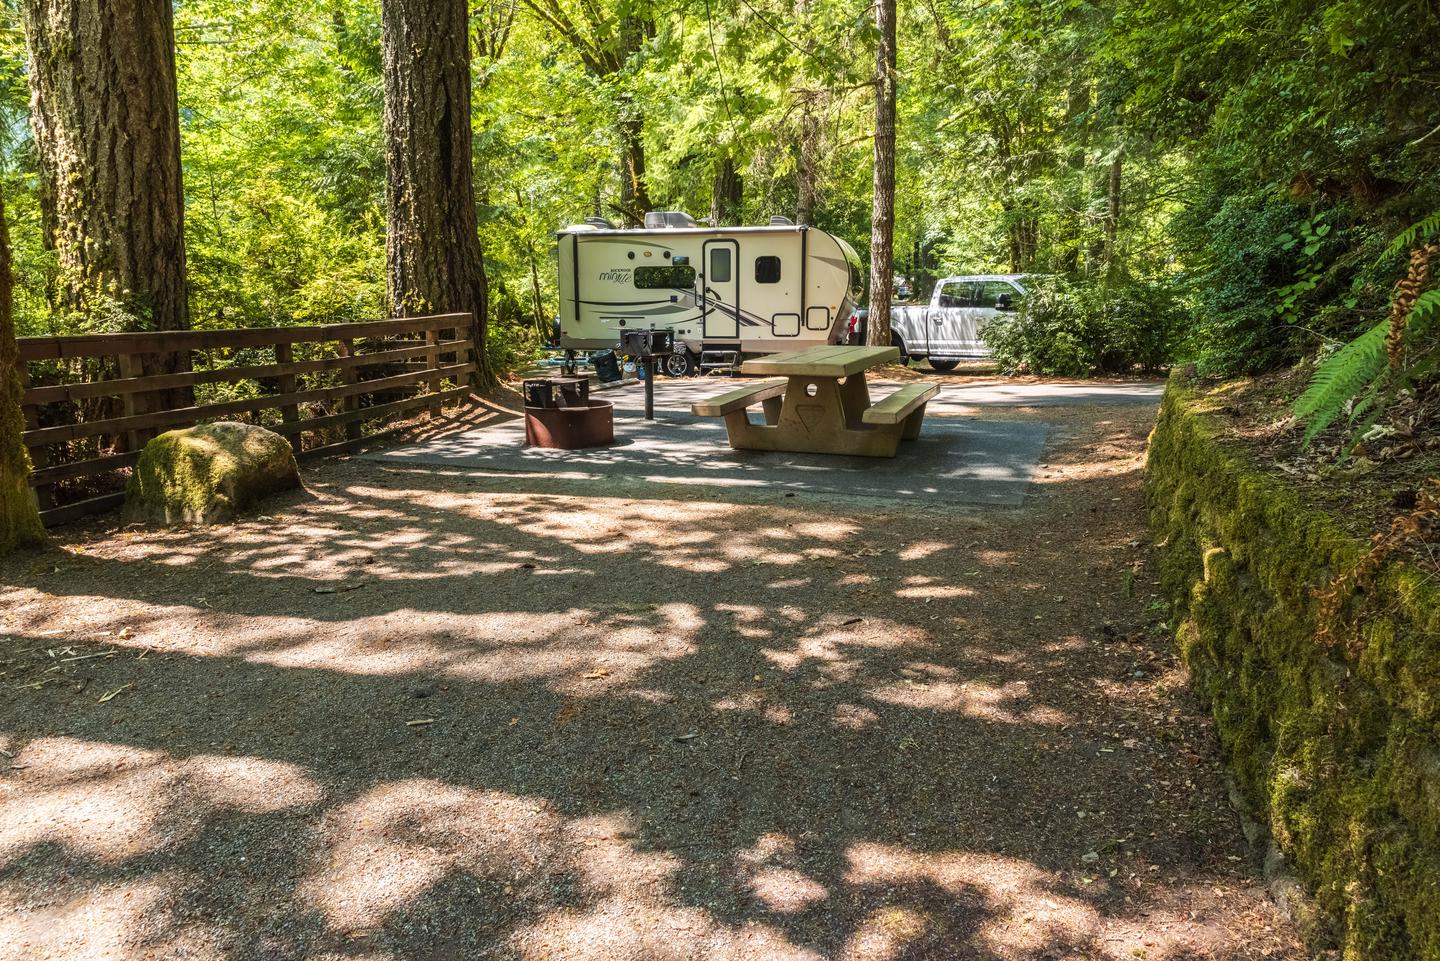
column 432, row 360
column 133, row 402
column 285, row 383
column 350, row 375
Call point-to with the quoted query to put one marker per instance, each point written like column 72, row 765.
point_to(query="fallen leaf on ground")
column 108, row 695
column 340, row 588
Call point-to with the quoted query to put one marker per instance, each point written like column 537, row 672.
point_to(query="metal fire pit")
column 559, row 414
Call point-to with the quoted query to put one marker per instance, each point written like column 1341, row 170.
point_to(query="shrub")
column 1068, row 329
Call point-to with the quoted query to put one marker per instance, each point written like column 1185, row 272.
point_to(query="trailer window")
column 767, row 270
column 719, row 265
column 665, row 278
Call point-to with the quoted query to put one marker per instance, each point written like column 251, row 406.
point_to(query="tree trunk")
column 882, row 217
column 1112, row 213
column 728, row 195
column 102, row 76
column 806, row 167
column 19, row 514
column 432, row 247
column 634, row 194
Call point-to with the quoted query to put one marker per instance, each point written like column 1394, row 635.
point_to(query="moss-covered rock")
column 208, row 474
column 1337, row 749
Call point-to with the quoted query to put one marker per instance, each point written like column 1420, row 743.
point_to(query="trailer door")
column 720, row 289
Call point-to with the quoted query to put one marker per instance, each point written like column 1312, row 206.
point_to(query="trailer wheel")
column 944, row 365
column 680, row 364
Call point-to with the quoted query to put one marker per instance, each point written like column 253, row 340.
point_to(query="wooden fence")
column 93, row 400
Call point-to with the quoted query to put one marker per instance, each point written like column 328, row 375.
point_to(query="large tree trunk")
column 19, row 514
column 728, row 194
column 102, row 76
column 882, row 217
column 432, row 248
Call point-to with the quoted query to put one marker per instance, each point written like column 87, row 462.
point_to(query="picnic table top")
column 822, row 361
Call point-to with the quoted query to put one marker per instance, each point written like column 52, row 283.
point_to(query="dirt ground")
column 423, row 715
column 1364, row 484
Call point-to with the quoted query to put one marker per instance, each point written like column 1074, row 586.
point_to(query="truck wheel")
column 899, row 342
column 944, row 365
column 680, row 364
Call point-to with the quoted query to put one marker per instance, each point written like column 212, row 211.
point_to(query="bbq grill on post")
column 646, row 346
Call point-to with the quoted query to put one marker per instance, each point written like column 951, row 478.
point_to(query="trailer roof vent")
column 600, row 223
column 781, row 222
column 660, row 219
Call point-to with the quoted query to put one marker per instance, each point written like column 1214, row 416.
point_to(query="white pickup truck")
column 947, row 330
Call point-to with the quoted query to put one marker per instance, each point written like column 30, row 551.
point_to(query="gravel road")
column 414, row 713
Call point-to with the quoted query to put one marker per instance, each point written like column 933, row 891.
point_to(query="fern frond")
column 1407, row 238
column 1344, row 375
column 1424, row 312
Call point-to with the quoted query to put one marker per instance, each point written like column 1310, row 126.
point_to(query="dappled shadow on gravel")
column 421, row 715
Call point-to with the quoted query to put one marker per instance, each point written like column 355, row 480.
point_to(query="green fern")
column 1356, row 380
column 1422, row 316
column 1350, row 371
column 1425, row 229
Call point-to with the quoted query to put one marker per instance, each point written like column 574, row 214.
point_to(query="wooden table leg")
column 820, row 415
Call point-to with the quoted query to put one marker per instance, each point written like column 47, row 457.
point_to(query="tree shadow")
column 550, row 728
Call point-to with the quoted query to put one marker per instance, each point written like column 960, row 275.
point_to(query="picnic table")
column 821, row 404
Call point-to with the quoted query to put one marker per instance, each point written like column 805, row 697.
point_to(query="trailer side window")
column 719, row 265
column 767, row 270
column 673, row 276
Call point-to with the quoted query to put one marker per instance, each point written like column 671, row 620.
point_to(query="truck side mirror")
column 1004, row 302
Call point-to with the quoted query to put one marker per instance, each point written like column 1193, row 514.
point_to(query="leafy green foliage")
column 1069, row 329
column 1342, row 377
column 1365, row 375
column 1252, row 160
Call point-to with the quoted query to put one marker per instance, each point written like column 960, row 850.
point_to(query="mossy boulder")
column 1335, row 748
column 208, row 474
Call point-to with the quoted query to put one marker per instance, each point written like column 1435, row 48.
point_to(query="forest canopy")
column 1244, row 166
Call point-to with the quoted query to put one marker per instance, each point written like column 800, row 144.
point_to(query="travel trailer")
column 726, row 293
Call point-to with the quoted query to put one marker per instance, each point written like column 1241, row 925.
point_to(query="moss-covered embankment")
column 1336, row 750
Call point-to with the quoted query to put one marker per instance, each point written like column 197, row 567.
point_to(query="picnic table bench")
column 822, row 405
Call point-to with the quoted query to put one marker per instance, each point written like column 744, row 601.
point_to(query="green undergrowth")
column 1336, row 750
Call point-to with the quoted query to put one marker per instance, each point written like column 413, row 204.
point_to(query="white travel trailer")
column 724, row 292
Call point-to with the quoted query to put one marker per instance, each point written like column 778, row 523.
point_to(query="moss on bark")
column 19, row 515
column 1339, row 752
column 208, row 474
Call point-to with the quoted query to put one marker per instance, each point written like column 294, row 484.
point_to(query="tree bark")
column 19, row 514
column 102, row 76
column 806, row 168
column 634, row 193
column 1112, row 212
column 882, row 217
column 728, row 195
column 432, row 245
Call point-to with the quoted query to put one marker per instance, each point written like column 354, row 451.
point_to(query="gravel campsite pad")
column 424, row 713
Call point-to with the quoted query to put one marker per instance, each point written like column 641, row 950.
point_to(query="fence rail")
column 89, row 407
